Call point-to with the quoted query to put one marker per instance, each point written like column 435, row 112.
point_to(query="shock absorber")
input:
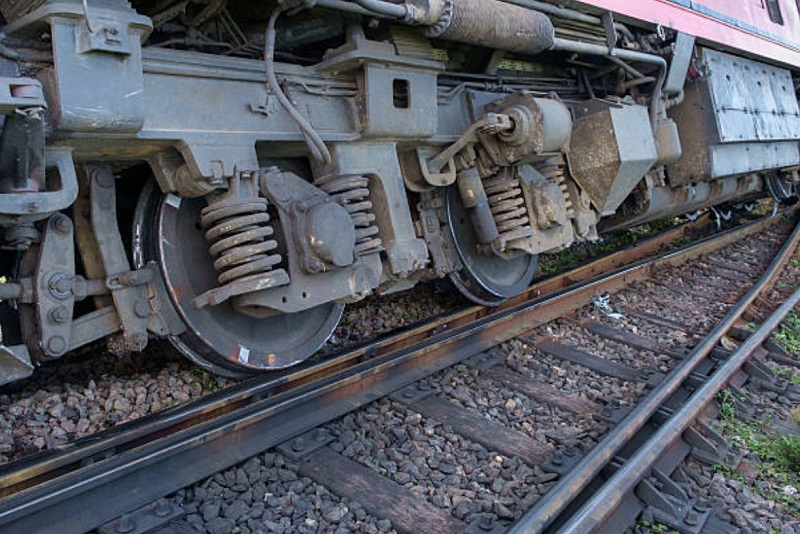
column 507, row 204
column 352, row 192
column 237, row 230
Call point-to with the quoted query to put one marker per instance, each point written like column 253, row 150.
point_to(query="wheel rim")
column 485, row 279
column 218, row 338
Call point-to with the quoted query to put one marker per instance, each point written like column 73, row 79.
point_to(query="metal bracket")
column 485, row 360
column 709, row 447
column 412, row 394
column 15, row 363
column 611, row 33
column 50, row 201
column 305, row 444
column 144, row 519
column 613, row 412
column 668, row 504
column 55, row 274
column 16, row 93
column 130, row 300
column 562, row 461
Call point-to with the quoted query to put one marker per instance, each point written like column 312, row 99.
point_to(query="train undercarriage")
column 230, row 174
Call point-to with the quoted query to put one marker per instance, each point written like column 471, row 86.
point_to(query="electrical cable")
column 315, row 143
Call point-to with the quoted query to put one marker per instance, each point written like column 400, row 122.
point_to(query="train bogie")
column 266, row 163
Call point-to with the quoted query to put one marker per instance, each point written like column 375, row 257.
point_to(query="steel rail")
column 605, row 501
column 105, row 476
column 556, row 501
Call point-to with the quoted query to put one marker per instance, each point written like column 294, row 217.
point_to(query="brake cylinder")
column 494, row 24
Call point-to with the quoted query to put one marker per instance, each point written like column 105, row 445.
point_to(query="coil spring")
column 555, row 169
column 352, row 193
column 508, row 207
column 237, row 230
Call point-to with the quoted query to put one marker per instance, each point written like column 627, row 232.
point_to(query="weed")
column 788, row 335
column 795, row 262
column 727, row 406
column 658, row 528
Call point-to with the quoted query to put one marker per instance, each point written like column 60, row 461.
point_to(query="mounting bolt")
column 141, row 308
column 162, row 508
column 58, row 315
column 56, row 346
column 62, row 224
column 313, row 265
column 126, row 524
column 298, row 445
column 691, row 518
column 60, row 285
column 32, row 207
column 103, row 179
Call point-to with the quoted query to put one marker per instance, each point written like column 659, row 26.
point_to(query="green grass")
column 779, row 455
column 788, row 334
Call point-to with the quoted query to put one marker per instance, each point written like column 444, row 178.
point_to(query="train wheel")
column 485, row 279
column 218, row 338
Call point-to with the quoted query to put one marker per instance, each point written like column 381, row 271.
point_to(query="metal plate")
column 752, row 101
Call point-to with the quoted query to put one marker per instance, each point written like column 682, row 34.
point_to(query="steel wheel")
column 218, row 338
column 485, row 279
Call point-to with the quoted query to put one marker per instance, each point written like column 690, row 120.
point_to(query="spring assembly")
column 352, row 192
column 237, row 230
column 508, row 208
column 556, row 169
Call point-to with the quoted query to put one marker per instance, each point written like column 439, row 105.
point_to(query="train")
column 230, row 174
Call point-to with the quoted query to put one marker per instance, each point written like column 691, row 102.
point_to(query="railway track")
column 113, row 473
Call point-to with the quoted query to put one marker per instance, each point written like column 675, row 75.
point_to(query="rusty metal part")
column 473, row 196
column 245, row 420
column 237, row 230
column 127, row 293
column 320, row 248
column 612, row 147
column 494, row 24
column 486, row 279
column 556, row 501
column 604, row 502
column 352, row 192
column 509, row 210
column 219, row 338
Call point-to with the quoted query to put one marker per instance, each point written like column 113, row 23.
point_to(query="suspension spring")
column 238, row 231
column 507, row 204
column 352, row 192
column 555, row 169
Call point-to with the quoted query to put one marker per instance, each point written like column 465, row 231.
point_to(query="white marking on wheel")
column 174, row 201
column 244, row 354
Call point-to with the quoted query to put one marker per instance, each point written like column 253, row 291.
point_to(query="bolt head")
column 56, row 346
column 59, row 315
column 141, row 308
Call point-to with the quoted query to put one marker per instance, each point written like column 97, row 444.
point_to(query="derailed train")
column 230, row 173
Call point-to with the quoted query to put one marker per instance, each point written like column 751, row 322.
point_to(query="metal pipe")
column 570, row 14
column 387, row 9
column 556, row 500
column 349, row 7
column 604, row 502
column 621, row 53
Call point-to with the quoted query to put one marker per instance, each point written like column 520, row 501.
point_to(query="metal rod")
column 556, row 500
column 349, row 7
column 605, row 501
column 397, row 11
column 621, row 53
